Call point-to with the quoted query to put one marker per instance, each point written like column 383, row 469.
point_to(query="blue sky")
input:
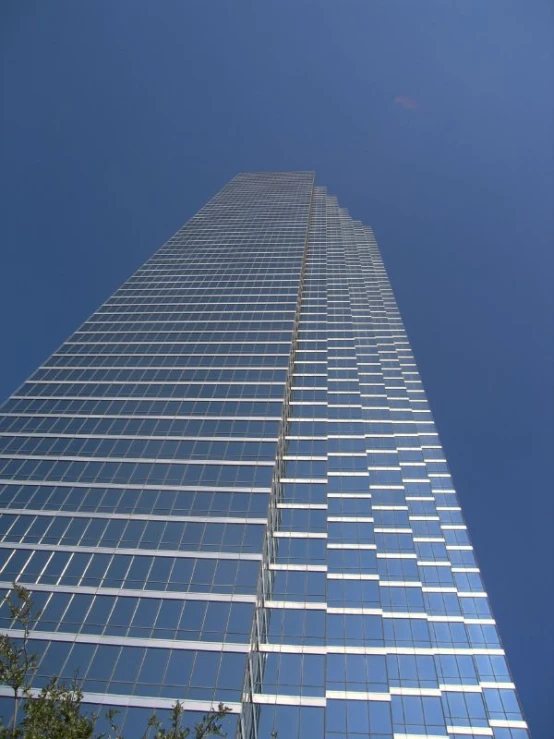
column 430, row 120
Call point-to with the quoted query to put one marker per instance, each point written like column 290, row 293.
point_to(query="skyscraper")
column 227, row 486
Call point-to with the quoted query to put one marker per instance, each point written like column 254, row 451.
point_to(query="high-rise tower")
column 227, row 486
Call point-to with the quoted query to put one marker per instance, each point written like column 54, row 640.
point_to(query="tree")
column 209, row 726
column 56, row 711
column 15, row 661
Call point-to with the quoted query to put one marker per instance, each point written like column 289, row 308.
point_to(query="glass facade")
column 227, row 486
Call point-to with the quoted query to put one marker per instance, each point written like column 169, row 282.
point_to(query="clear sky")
column 432, row 121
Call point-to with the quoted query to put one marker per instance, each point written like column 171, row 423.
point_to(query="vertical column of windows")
column 358, row 701
column 289, row 694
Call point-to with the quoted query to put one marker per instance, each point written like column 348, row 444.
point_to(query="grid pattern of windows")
column 227, row 486
column 136, row 464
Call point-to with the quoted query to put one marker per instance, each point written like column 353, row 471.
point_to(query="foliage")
column 15, row 661
column 55, row 712
column 209, row 726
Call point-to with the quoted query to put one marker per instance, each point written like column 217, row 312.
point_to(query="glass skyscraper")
column 227, row 486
